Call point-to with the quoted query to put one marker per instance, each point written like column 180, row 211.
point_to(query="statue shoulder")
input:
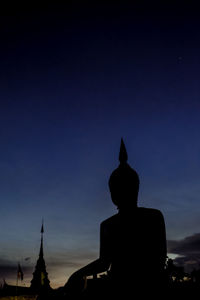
column 110, row 221
column 151, row 212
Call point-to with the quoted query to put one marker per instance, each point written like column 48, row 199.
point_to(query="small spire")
column 41, row 245
column 42, row 228
column 41, row 248
column 123, row 156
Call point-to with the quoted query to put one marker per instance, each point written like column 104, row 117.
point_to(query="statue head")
column 124, row 182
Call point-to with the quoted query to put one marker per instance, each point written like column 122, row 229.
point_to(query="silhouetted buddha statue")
column 132, row 242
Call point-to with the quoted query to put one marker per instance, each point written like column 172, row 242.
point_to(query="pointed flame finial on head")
column 123, row 156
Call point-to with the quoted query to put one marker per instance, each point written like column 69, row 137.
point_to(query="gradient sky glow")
column 73, row 81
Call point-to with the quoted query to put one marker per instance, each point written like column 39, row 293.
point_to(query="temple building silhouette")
column 40, row 279
column 39, row 284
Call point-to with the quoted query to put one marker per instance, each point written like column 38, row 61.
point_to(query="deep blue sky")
column 73, row 81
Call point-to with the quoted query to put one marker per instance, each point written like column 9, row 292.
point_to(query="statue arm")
column 93, row 268
column 100, row 265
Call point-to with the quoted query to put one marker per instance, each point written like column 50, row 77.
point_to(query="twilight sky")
column 74, row 80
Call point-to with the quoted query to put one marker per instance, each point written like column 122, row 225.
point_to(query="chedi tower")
column 40, row 281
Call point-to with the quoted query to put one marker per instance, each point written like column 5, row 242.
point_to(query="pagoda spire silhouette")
column 40, row 281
